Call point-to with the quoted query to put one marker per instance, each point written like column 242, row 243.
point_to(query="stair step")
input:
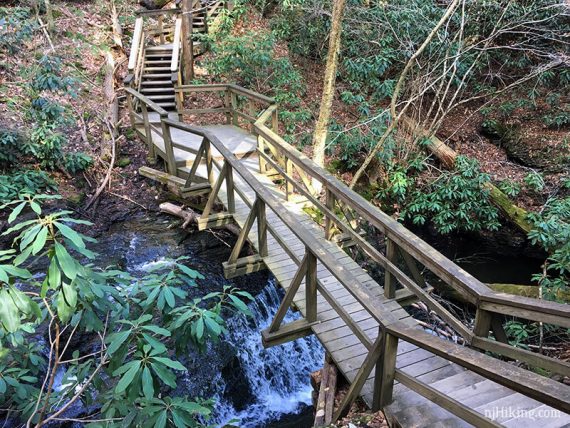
column 164, row 83
column 166, row 105
column 161, row 97
column 157, row 62
column 160, row 49
column 158, row 90
column 147, row 76
column 165, row 69
column 158, row 55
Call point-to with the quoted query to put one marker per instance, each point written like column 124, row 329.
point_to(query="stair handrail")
column 135, row 44
column 176, row 44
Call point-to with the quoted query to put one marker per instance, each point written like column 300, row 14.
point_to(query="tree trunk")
column 117, row 29
column 187, row 43
column 190, row 216
column 446, row 155
column 321, row 127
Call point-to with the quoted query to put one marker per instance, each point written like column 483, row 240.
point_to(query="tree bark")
column 321, row 127
column 117, row 29
column 327, row 392
column 187, row 43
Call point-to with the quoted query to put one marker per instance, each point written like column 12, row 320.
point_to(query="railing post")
column 385, row 372
column 389, row 283
column 330, row 205
column 168, row 149
column 261, row 229
column 230, row 189
column 227, row 105
column 161, row 28
column 261, row 148
column 311, row 286
column 208, row 152
column 148, row 134
column 234, row 108
column 289, row 170
column 275, row 121
column 131, row 108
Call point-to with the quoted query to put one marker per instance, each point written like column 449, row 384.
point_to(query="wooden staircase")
column 156, row 79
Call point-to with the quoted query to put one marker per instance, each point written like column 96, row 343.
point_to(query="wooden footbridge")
column 223, row 141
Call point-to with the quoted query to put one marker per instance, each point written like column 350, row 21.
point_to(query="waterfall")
column 278, row 377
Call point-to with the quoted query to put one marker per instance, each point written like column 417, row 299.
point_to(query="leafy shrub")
column 534, row 181
column 128, row 374
column 48, row 77
column 16, row 26
column 510, row 188
column 551, row 230
column 76, row 162
column 11, row 147
column 456, row 200
column 24, row 182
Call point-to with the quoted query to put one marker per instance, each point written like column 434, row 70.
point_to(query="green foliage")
column 519, row 333
column 136, row 323
column 48, row 76
column 510, row 188
column 16, row 27
column 535, row 181
column 76, row 162
column 456, row 200
column 551, row 230
column 12, row 147
column 21, row 182
column 250, row 60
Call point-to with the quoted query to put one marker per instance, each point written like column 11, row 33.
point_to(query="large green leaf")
column 128, row 377
column 116, row 340
column 9, row 314
column 70, row 234
column 65, row 261
column 164, row 375
column 147, row 384
column 161, row 421
column 40, row 241
column 156, row 329
column 16, row 212
column 170, row 363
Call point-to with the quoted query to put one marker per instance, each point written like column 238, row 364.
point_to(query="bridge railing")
column 381, row 352
column 350, row 214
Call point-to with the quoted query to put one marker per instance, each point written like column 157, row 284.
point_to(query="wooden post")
column 261, row 229
column 187, row 42
column 234, row 109
column 482, row 323
column 385, row 372
column 208, row 151
column 148, row 134
column 230, row 189
column 389, row 283
column 131, row 107
column 311, row 286
column 169, row 150
column 261, row 148
column 227, row 105
column 160, row 20
column 275, row 121
column 330, row 205
column 288, row 185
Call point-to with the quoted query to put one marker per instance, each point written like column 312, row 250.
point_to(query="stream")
column 252, row 386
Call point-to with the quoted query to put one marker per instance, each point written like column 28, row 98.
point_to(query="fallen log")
column 447, row 156
column 190, row 216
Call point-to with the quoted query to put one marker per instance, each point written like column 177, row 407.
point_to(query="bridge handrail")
column 383, row 351
column 518, row 379
column 463, row 282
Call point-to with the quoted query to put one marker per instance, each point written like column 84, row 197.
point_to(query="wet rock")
column 237, row 392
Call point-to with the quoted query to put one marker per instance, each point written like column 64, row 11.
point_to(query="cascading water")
column 278, row 376
column 252, row 386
